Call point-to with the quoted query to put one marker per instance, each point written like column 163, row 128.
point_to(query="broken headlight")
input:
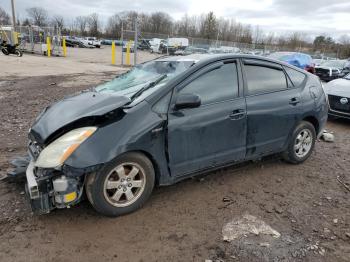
column 59, row 150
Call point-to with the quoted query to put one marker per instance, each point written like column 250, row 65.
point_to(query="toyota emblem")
column 344, row 100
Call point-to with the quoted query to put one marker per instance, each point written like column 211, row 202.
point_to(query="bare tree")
column 4, row 17
column 161, row 23
column 258, row 36
column 38, row 15
column 58, row 21
column 209, row 26
column 94, row 24
column 114, row 26
column 81, row 24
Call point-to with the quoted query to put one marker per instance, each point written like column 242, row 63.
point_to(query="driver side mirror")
column 187, row 101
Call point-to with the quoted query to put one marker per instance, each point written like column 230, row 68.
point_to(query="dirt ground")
column 305, row 203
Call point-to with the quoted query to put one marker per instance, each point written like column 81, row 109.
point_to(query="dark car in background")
column 332, row 69
column 167, row 120
column 300, row 60
column 144, row 44
column 338, row 92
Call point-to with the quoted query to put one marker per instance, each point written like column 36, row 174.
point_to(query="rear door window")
column 296, row 76
column 263, row 79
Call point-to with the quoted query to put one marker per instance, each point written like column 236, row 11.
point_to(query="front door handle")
column 237, row 114
column 294, row 101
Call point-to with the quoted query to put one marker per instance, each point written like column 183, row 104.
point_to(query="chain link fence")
column 33, row 39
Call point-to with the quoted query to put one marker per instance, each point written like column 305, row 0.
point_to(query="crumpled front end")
column 49, row 189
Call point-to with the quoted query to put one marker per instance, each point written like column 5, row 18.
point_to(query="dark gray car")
column 167, row 120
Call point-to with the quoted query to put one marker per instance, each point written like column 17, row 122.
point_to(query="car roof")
column 196, row 58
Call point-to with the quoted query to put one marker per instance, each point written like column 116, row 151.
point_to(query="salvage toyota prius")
column 166, row 120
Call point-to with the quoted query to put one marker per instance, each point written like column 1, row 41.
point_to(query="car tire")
column 121, row 186
column 301, row 144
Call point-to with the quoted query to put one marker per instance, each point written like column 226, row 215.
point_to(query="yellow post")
column 113, row 53
column 48, row 46
column 64, row 47
column 15, row 37
column 128, row 53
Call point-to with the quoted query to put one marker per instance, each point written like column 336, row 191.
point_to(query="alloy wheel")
column 303, row 143
column 124, row 184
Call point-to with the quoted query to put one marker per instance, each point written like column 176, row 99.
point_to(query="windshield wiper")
column 150, row 85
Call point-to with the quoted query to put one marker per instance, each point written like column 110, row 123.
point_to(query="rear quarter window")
column 295, row 76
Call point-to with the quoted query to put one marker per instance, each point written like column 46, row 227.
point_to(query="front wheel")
column 18, row 53
column 301, row 143
column 122, row 186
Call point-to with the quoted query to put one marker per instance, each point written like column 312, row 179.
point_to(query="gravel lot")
column 305, row 203
column 78, row 61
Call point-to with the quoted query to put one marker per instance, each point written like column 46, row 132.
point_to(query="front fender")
column 140, row 129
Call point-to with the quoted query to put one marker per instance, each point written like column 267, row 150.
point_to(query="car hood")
column 73, row 108
column 338, row 87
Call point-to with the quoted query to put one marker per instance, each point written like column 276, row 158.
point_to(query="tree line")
column 206, row 26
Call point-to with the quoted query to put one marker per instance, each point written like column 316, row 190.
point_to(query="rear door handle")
column 294, row 101
column 237, row 114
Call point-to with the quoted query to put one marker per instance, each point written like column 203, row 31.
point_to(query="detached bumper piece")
column 18, row 174
column 51, row 191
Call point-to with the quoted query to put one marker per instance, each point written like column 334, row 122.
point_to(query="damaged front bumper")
column 50, row 189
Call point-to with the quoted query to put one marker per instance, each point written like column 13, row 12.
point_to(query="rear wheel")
column 4, row 51
column 301, row 143
column 122, row 186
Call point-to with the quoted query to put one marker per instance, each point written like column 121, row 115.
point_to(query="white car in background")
column 155, row 44
column 93, row 41
column 338, row 92
column 85, row 43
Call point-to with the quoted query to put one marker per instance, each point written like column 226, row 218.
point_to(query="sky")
column 313, row 17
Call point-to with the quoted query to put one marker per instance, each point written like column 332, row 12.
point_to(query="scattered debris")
column 265, row 244
column 322, row 251
column 229, row 201
column 226, row 199
column 326, row 230
column 345, row 185
column 245, row 225
column 327, row 136
column 335, row 221
column 278, row 210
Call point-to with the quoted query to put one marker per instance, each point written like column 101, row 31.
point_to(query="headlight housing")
column 59, row 150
